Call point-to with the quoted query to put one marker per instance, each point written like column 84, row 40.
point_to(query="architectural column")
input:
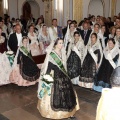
column 113, row 8
column 1, row 8
column 48, row 12
column 77, row 10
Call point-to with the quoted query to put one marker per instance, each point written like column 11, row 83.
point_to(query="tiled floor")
column 19, row 103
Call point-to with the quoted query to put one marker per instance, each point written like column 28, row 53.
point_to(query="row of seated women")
column 20, row 69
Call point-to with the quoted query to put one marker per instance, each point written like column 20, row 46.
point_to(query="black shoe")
column 72, row 118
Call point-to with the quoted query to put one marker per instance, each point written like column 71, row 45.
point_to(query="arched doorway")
column 96, row 7
column 31, row 7
column 26, row 10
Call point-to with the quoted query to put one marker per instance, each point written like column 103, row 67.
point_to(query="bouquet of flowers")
column 9, row 52
column 47, row 78
column 10, row 56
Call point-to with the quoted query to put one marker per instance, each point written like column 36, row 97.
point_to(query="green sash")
column 59, row 63
column 26, row 52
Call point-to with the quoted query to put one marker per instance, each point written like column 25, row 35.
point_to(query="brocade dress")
column 25, row 72
column 57, row 100
column 88, row 69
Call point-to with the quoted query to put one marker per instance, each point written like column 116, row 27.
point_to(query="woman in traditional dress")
column 117, row 37
column 104, row 33
column 75, row 57
column 100, row 37
column 39, row 24
column 109, row 63
column 3, row 44
column 57, row 100
column 25, row 71
column 109, row 104
column 69, row 34
column 34, row 45
column 112, row 32
column 6, row 61
column 44, row 38
column 91, row 63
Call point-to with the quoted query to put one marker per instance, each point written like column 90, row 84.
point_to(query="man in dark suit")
column 85, row 33
column 15, row 39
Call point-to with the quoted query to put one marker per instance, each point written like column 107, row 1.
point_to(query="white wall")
column 117, row 7
column 16, row 12
column 85, row 8
column 95, row 8
column 21, row 2
column 35, row 9
column 106, row 9
column 12, row 7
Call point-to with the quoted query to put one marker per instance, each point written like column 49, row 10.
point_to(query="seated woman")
column 44, row 38
column 75, row 57
column 3, row 44
column 25, row 71
column 109, row 63
column 6, row 61
column 34, row 45
column 109, row 104
column 57, row 100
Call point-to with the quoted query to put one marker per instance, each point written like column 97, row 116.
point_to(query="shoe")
column 72, row 118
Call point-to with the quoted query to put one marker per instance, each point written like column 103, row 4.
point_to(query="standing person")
column 112, row 32
column 64, row 30
column 39, row 23
column 85, row 33
column 91, row 63
column 109, row 104
column 96, row 30
column 25, row 71
column 57, row 100
column 117, row 37
column 44, row 38
column 55, row 31
column 109, row 63
column 75, row 57
column 34, row 45
column 15, row 39
column 69, row 34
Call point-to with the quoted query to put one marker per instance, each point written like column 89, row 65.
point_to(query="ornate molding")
column 77, row 10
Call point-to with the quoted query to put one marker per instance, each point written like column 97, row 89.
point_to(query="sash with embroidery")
column 54, row 32
column 26, row 52
column 59, row 63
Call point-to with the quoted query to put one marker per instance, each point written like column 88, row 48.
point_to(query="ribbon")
column 46, row 89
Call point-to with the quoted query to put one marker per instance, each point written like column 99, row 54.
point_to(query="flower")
column 9, row 52
column 47, row 79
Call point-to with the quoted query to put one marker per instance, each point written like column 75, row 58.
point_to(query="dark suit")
column 64, row 30
column 86, row 37
column 13, row 42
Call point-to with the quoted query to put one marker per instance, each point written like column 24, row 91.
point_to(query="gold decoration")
column 48, row 12
column 77, row 10
column 113, row 6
